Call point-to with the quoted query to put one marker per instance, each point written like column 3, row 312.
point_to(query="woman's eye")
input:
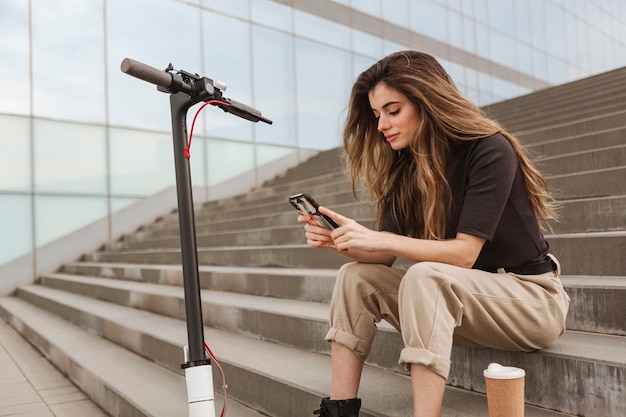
column 393, row 113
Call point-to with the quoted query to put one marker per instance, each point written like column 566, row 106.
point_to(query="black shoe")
column 339, row 408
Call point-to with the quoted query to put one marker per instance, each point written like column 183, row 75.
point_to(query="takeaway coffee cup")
column 505, row 390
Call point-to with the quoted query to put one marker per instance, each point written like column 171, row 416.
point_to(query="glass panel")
column 522, row 21
column 274, row 85
column 323, row 92
column 455, row 5
column 228, row 62
column 14, row 153
column 120, row 203
column 480, row 11
column 270, row 13
column 14, row 48
column 503, row 89
column 525, row 59
column 557, row 71
column 266, row 154
column 429, row 18
column 484, row 86
column 502, row 48
column 170, row 32
column 502, row 15
column 390, row 47
column 574, row 73
column 538, row 24
column 69, row 158
column 366, row 44
column 142, row 163
column 322, row 30
column 228, row 159
column 596, row 53
column 471, row 77
column 584, row 46
column 455, row 29
column 468, row 8
column 555, row 31
column 540, row 65
column 57, row 216
column 68, row 59
column 17, row 233
column 457, row 73
column 482, row 40
column 197, row 161
column 361, row 63
column 573, row 45
column 234, row 7
column 469, row 31
column 396, row 12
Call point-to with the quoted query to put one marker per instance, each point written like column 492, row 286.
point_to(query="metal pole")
column 180, row 103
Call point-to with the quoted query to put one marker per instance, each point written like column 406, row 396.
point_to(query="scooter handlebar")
column 147, row 73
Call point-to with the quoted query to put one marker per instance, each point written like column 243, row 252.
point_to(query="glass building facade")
column 79, row 139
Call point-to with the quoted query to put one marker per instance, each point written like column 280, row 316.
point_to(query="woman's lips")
column 391, row 137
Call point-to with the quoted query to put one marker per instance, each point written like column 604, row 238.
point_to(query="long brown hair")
column 412, row 183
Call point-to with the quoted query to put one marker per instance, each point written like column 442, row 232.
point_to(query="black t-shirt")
column 490, row 201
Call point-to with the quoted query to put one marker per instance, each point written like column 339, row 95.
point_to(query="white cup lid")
column 497, row 371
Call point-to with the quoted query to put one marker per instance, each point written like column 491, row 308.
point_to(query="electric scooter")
column 187, row 89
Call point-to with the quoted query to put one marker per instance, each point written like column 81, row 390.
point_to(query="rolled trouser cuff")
column 359, row 347
column 436, row 363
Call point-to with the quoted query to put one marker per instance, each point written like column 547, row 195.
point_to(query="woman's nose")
column 383, row 124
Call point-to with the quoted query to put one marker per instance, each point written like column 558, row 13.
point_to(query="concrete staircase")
column 114, row 320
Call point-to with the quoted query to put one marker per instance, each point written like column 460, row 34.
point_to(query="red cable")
column 224, row 383
column 193, row 123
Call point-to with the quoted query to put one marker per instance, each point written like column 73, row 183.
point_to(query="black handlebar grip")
column 240, row 106
column 147, row 73
column 246, row 112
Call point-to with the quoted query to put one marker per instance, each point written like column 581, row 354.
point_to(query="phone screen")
column 304, row 203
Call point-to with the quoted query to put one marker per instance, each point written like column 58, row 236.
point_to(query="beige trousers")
column 434, row 305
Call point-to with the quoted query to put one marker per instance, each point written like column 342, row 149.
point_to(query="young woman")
column 455, row 194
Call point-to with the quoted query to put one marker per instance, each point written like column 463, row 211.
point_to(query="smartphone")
column 304, row 203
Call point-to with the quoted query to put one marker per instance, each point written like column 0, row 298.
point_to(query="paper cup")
column 505, row 390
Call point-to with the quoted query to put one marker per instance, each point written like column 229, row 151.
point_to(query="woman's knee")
column 428, row 289
column 362, row 278
column 423, row 276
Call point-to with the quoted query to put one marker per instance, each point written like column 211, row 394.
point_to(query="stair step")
column 579, row 252
column 572, row 93
column 294, row 256
column 567, row 114
column 602, row 138
column 591, row 215
column 589, row 184
column 563, row 109
column 604, row 121
column 599, row 158
column 259, row 371
column 597, row 303
column 314, row 284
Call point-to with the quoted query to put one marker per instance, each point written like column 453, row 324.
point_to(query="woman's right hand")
column 316, row 235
